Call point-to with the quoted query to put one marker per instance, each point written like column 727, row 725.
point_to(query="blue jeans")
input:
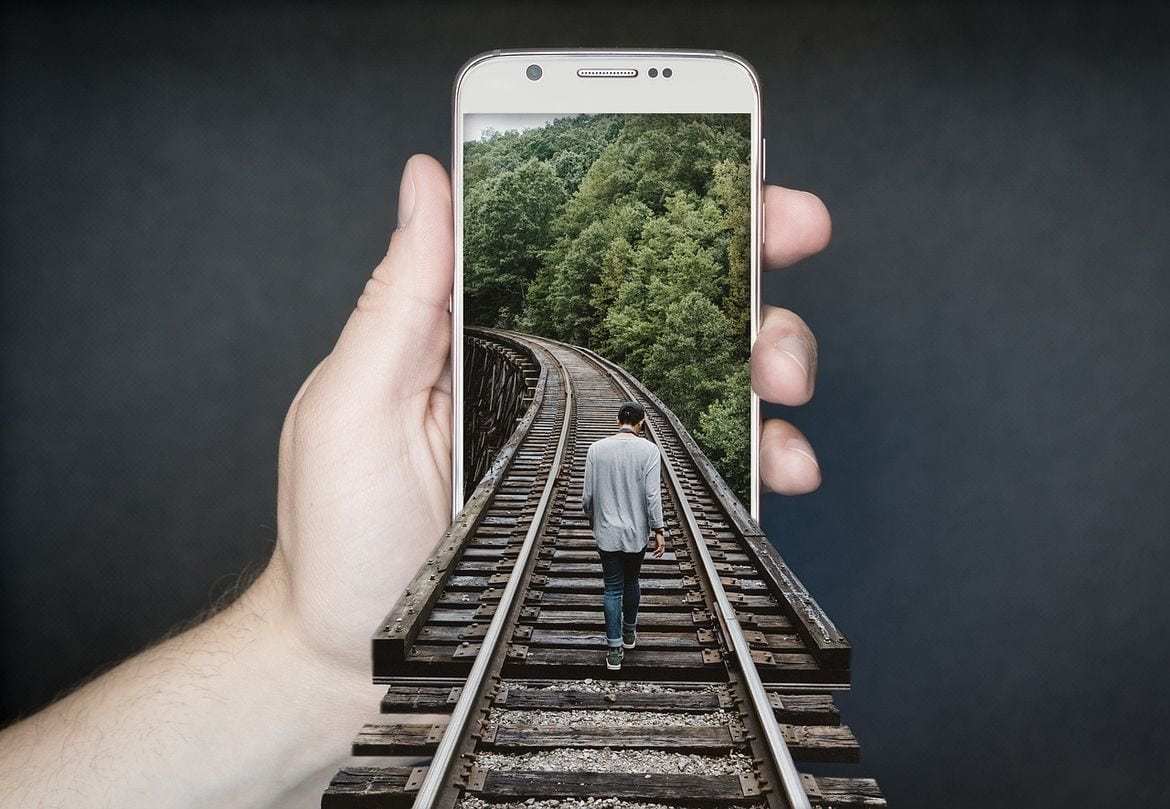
column 620, row 570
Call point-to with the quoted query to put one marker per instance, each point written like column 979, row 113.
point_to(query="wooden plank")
column 418, row 699
column 593, row 570
column 397, row 739
column 562, row 554
column 804, row 709
column 596, row 618
column 437, row 654
column 635, row 658
column 593, row 639
column 674, row 788
column 821, row 743
column 597, row 585
column 778, row 643
column 765, row 621
column 447, row 615
column 368, row 788
column 453, row 633
column 831, row 792
column 468, row 583
column 657, row 601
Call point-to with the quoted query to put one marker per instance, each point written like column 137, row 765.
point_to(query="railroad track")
column 494, row 657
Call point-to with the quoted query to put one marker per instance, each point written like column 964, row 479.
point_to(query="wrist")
column 304, row 640
column 340, row 681
column 319, row 700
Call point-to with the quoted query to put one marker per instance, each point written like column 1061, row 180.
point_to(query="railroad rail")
column 498, row 694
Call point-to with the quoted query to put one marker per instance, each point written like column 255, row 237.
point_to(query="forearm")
column 654, row 511
column 234, row 712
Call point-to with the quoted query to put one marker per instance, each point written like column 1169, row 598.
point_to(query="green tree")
column 506, row 227
column 731, row 189
column 725, row 432
column 689, row 359
column 686, row 244
column 629, row 234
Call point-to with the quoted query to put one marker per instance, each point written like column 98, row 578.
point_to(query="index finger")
column 796, row 225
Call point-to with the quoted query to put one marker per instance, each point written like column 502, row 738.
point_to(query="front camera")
column 653, row 72
column 534, row 72
column 666, row 72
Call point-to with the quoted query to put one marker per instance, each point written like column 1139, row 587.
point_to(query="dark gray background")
column 192, row 201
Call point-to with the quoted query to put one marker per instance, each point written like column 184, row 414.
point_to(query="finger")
column 787, row 462
column 784, row 358
column 796, row 225
column 396, row 341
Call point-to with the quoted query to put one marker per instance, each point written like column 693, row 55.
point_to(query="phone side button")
column 763, row 222
column 763, row 160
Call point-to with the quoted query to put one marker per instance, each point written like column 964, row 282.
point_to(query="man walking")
column 621, row 496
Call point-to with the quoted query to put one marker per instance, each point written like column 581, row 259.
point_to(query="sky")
column 475, row 123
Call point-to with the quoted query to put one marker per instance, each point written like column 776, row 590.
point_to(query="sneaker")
column 613, row 658
column 629, row 638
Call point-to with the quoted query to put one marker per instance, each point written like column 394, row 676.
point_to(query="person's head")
column 631, row 414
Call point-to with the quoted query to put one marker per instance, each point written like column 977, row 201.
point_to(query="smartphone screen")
column 628, row 234
column 608, row 201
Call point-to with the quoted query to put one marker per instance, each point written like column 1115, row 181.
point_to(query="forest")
column 628, row 234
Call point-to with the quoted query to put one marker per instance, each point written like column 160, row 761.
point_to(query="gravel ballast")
column 618, row 687
column 503, row 716
column 571, row 759
column 580, row 803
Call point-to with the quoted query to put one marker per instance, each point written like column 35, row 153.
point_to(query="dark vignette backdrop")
column 191, row 201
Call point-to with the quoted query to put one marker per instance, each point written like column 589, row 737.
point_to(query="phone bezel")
column 723, row 82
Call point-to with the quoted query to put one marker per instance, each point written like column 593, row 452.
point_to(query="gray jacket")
column 622, row 492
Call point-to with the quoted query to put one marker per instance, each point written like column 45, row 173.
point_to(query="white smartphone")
column 612, row 200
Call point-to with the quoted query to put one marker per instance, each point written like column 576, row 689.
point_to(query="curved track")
column 494, row 657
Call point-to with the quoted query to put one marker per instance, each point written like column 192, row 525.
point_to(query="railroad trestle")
column 493, row 656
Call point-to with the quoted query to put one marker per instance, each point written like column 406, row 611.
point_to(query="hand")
column 659, row 544
column 365, row 470
column 257, row 705
column 784, row 357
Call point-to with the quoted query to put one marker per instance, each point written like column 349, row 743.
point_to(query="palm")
column 364, row 497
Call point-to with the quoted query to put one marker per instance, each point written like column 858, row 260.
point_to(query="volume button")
column 763, row 221
column 763, row 160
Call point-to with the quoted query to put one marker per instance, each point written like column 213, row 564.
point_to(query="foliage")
column 629, row 234
column 725, row 430
column 507, row 218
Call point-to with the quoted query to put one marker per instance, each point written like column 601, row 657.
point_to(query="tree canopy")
column 628, row 234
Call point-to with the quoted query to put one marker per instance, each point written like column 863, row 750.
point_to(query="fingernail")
column 802, row 446
column 405, row 196
column 796, row 349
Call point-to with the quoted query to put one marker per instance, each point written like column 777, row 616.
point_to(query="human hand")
column 257, row 704
column 784, row 356
column 659, row 544
column 365, row 453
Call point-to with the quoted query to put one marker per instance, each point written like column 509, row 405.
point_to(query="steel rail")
column 790, row 779
column 437, row 771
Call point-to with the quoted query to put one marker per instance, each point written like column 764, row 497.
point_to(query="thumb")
column 396, row 340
